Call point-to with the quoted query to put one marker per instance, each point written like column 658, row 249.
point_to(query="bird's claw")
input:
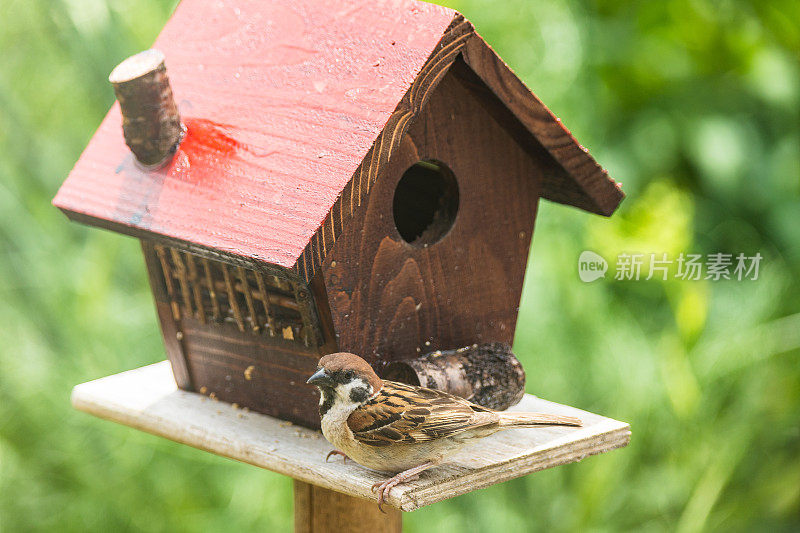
column 337, row 452
column 382, row 488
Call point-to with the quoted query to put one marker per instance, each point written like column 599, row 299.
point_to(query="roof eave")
column 585, row 184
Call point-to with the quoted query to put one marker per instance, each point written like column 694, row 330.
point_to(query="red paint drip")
column 206, row 149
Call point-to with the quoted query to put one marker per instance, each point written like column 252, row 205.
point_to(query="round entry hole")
column 425, row 203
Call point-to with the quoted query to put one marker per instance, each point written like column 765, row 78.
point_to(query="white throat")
column 335, row 419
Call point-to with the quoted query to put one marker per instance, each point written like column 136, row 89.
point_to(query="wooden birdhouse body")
column 392, row 299
column 358, row 176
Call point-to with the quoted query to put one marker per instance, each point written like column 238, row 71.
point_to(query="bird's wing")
column 405, row 414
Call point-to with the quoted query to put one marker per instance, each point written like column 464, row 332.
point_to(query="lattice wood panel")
column 258, row 303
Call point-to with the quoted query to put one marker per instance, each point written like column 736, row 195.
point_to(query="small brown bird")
column 401, row 429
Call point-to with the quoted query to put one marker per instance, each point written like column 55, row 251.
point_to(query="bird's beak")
column 320, row 377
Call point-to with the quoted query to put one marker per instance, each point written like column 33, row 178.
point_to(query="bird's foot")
column 337, row 452
column 383, row 487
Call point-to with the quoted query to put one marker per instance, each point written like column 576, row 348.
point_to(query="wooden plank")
column 216, row 315
column 308, row 314
column 148, row 399
column 168, row 282
column 170, row 325
column 196, row 284
column 262, row 291
column 263, row 373
column 319, row 510
column 183, row 279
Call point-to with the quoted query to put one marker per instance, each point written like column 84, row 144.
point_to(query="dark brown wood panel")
column 166, row 319
column 358, row 188
column 390, row 300
column 265, row 374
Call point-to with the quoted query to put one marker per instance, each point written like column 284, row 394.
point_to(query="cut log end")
column 488, row 374
column 137, row 66
column 150, row 119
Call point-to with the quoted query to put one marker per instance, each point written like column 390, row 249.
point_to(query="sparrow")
column 401, row 429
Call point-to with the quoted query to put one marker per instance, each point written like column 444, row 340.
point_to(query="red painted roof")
column 282, row 100
column 291, row 110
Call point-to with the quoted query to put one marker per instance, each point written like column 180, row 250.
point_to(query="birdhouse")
column 312, row 177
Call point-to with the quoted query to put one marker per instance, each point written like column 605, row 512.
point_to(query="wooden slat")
column 277, row 299
column 248, row 298
column 262, row 290
column 237, row 312
column 148, row 399
column 169, row 325
column 196, row 283
column 167, row 272
column 183, row 279
column 304, row 303
column 265, row 374
column 211, row 291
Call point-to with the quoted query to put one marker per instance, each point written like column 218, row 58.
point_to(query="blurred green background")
column 691, row 104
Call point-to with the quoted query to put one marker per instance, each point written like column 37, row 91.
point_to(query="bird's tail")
column 521, row 420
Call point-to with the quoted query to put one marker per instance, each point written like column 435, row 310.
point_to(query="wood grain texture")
column 265, row 374
column 218, row 353
column 390, row 300
column 388, row 142
column 320, row 510
column 148, row 399
column 166, row 319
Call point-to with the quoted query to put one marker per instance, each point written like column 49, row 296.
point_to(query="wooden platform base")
column 148, row 399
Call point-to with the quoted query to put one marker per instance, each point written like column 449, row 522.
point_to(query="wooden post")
column 318, row 510
column 150, row 119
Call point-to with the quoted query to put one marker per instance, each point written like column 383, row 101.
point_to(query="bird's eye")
column 349, row 374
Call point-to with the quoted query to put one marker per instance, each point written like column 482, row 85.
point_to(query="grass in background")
column 692, row 104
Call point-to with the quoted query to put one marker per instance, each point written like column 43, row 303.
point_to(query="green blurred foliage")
column 692, row 104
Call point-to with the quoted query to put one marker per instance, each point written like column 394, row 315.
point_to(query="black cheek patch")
column 327, row 401
column 359, row 394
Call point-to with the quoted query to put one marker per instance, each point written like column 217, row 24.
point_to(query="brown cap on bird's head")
column 337, row 365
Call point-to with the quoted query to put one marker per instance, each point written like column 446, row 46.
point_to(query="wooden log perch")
column 487, row 374
column 150, row 119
